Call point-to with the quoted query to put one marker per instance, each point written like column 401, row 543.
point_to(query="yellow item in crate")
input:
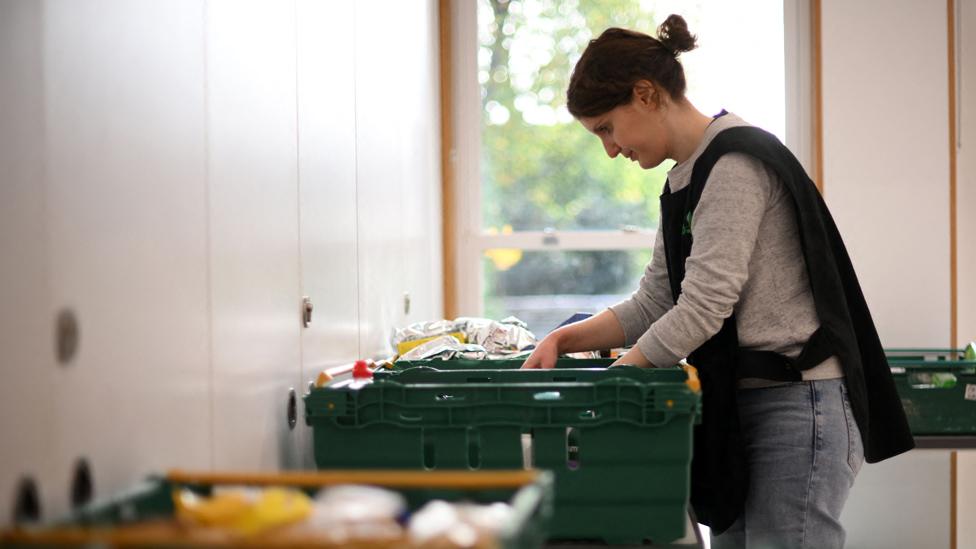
column 970, row 353
column 405, row 346
column 323, row 378
column 693, row 382
column 244, row 512
column 219, row 510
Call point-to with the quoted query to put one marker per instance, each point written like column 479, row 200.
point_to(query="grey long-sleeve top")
column 746, row 258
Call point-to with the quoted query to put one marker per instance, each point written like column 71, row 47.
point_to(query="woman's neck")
column 687, row 127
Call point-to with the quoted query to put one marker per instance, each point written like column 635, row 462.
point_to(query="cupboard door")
column 124, row 113
column 420, row 133
column 380, row 152
column 27, row 354
column 254, row 262
column 327, row 176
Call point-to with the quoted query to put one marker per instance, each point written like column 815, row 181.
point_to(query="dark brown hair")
column 605, row 75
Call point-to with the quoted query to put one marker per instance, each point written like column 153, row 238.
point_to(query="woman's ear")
column 648, row 94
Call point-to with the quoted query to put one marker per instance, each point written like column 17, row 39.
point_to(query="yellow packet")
column 218, row 510
column 241, row 512
column 405, row 346
column 275, row 507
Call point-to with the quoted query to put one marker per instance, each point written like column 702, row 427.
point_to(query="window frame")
column 464, row 150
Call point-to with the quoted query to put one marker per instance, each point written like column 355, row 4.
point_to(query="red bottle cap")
column 360, row 370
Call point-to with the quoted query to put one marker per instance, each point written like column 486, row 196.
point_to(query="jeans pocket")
column 855, row 448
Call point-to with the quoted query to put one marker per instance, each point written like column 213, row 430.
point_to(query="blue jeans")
column 804, row 450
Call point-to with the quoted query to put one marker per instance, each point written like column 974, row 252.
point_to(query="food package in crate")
column 464, row 337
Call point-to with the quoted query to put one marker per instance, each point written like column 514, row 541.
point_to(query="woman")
column 751, row 282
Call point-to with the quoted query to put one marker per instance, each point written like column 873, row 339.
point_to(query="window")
column 553, row 226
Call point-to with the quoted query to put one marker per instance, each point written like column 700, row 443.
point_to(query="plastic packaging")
column 443, row 525
column 485, row 338
column 347, row 513
column 510, row 335
column 424, row 330
column 445, row 347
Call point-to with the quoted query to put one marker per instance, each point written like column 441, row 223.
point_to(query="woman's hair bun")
column 673, row 35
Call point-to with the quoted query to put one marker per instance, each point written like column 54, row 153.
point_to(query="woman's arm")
column 725, row 228
column 602, row 331
column 651, row 300
column 633, row 357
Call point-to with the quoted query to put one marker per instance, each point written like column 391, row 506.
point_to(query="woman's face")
column 636, row 130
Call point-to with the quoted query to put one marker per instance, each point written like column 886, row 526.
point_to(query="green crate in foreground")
column 142, row 516
column 618, row 440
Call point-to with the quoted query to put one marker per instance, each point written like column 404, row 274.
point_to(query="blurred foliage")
column 585, row 272
column 540, row 167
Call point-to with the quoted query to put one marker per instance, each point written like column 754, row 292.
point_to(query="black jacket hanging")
column 719, row 475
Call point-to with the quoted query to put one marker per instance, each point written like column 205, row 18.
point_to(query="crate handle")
column 547, row 395
column 445, row 397
column 406, row 416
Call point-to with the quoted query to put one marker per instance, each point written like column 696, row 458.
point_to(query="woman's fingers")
column 538, row 359
column 545, row 360
column 544, row 356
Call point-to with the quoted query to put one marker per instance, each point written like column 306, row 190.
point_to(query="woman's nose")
column 612, row 149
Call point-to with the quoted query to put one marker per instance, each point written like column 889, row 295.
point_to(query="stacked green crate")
column 937, row 389
column 618, row 440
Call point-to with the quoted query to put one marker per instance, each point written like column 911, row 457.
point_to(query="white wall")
column 901, row 503
column 886, row 180
column 966, row 499
column 179, row 175
column 886, row 159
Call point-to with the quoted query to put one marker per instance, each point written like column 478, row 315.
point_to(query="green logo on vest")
column 686, row 227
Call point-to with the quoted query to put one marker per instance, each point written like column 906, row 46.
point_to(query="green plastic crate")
column 937, row 389
column 618, row 440
column 914, row 354
column 90, row 526
column 500, row 364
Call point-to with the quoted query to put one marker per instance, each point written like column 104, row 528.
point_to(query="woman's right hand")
column 545, row 354
column 602, row 331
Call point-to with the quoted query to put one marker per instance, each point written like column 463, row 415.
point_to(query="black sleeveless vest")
column 719, row 477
